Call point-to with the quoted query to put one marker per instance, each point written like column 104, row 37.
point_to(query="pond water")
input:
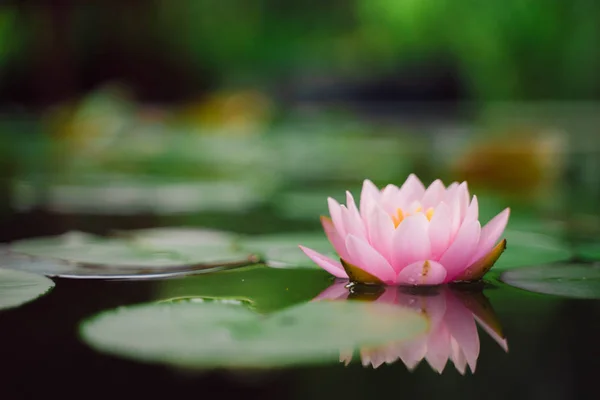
column 168, row 281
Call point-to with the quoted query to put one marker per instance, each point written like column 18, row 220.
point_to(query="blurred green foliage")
column 7, row 41
column 509, row 49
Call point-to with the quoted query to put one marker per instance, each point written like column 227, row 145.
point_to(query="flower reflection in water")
column 452, row 334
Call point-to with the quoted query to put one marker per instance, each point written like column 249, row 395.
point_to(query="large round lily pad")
column 17, row 287
column 218, row 335
column 566, row 280
column 148, row 253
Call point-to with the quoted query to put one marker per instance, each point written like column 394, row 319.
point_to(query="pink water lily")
column 411, row 235
column 452, row 334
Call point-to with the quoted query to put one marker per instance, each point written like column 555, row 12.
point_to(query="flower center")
column 400, row 215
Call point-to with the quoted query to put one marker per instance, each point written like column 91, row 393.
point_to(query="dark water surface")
column 553, row 353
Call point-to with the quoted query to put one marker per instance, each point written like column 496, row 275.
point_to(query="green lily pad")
column 35, row 265
column 263, row 289
column 282, row 251
column 217, row 335
column 17, row 287
column 149, row 254
column 580, row 281
column 528, row 248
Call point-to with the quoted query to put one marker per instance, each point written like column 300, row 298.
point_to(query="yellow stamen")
column 429, row 213
column 398, row 218
column 400, row 215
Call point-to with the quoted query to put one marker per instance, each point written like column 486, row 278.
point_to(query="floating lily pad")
column 17, row 287
column 77, row 254
column 527, row 248
column 568, row 280
column 64, row 269
column 282, row 251
column 217, row 335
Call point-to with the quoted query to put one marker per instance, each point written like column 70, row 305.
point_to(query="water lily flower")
column 411, row 235
column 452, row 333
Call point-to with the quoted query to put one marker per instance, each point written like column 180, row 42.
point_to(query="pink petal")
column 456, row 258
column 438, row 348
column 337, row 291
column 490, row 234
column 433, row 195
column 389, row 199
column 472, row 213
column 329, row 265
column 353, row 223
column 461, row 326
column 424, row 272
column 375, row 357
column 389, row 295
column 450, row 192
column 369, row 260
column 463, row 199
column 458, row 202
column 413, row 207
column 338, row 243
column 413, row 352
column 369, row 193
column 411, row 241
column 488, row 329
column 351, row 205
column 458, row 357
column 392, row 353
column 433, row 306
column 439, row 230
column 412, row 189
column 381, row 231
column 335, row 210
column 346, row 356
column 452, row 199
